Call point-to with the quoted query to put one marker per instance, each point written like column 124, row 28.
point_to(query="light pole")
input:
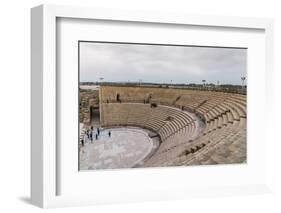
column 101, row 78
column 243, row 78
column 203, row 81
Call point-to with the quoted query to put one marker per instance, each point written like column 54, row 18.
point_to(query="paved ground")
column 125, row 148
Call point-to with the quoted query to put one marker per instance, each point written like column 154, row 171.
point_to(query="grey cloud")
column 154, row 63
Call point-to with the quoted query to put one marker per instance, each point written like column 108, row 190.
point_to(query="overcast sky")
column 161, row 64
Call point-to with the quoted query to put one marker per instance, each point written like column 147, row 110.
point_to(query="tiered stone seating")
column 223, row 139
column 164, row 120
column 225, row 146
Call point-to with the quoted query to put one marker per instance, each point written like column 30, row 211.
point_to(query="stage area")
column 125, row 148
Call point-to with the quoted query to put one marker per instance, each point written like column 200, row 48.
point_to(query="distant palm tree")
column 243, row 78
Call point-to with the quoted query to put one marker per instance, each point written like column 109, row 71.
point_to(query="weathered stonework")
column 88, row 99
column 194, row 127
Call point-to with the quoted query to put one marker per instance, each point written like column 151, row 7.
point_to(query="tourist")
column 82, row 142
column 109, row 134
column 88, row 135
column 96, row 136
column 91, row 136
column 98, row 129
column 85, row 137
column 93, row 133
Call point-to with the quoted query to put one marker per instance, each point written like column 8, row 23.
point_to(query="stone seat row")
column 166, row 121
column 223, row 114
column 226, row 145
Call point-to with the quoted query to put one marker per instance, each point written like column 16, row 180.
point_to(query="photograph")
column 144, row 105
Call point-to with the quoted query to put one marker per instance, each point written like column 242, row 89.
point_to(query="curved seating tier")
column 164, row 120
column 223, row 139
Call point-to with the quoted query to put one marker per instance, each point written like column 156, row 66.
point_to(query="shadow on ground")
column 26, row 199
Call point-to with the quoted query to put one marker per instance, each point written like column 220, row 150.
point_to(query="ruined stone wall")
column 88, row 99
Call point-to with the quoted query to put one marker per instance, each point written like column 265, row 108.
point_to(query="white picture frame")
column 44, row 150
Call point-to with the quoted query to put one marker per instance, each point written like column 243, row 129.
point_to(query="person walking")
column 96, row 136
column 98, row 131
column 109, row 134
column 85, row 138
column 88, row 135
column 91, row 136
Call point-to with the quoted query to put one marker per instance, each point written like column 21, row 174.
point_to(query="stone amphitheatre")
column 156, row 127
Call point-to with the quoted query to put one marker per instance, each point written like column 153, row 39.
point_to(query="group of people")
column 89, row 135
